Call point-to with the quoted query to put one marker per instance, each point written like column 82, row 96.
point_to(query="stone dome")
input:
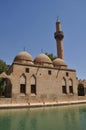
column 59, row 63
column 23, row 57
column 43, row 60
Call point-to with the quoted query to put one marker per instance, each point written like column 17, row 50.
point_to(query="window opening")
column 33, row 89
column 64, row 90
column 49, row 72
column 67, row 74
column 22, row 88
column 27, row 70
column 71, row 89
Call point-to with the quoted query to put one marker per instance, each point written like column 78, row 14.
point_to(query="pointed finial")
column 41, row 50
column 24, row 48
column 58, row 20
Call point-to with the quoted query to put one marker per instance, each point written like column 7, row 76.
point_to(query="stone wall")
column 46, row 84
column 41, row 100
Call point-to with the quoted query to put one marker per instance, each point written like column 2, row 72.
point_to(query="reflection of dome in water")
column 23, row 57
column 43, row 60
column 59, row 62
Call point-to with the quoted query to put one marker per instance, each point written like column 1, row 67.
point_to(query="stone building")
column 41, row 79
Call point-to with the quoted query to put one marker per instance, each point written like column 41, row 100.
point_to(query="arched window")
column 64, row 90
column 70, row 86
column 23, row 84
column 33, row 84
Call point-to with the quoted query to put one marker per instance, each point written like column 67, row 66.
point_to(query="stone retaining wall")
column 39, row 100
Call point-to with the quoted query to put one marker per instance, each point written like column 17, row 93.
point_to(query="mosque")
column 41, row 79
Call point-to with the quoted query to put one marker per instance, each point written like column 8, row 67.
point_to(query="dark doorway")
column 33, row 89
column 81, row 91
column 2, row 86
column 5, row 87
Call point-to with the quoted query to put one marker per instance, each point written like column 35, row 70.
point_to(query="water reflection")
column 57, row 118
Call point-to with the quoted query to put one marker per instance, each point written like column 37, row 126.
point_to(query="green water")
column 54, row 118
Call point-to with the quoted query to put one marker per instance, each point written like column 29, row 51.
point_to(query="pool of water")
column 47, row 118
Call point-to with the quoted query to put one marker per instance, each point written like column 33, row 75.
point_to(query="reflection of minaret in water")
column 59, row 37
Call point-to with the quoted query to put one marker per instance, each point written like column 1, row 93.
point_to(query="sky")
column 30, row 25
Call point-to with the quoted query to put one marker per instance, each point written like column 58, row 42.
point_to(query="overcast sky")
column 30, row 25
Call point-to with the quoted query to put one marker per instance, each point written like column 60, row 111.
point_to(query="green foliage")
column 3, row 66
column 51, row 56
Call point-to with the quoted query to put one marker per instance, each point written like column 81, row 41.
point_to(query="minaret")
column 58, row 35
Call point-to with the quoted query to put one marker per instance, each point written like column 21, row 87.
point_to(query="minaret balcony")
column 59, row 35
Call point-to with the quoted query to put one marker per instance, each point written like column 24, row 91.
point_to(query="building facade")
column 41, row 79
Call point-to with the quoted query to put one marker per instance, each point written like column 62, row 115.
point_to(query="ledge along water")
column 41, row 104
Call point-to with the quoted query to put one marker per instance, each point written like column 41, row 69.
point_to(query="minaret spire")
column 58, row 35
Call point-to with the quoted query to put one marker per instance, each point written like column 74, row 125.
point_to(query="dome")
column 43, row 60
column 23, row 57
column 59, row 62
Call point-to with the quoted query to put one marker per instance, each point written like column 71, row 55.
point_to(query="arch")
column 33, row 84
column 4, row 75
column 23, row 84
column 5, row 87
column 22, row 79
column 81, row 90
column 70, row 86
column 70, row 82
column 33, row 79
column 8, row 89
column 64, row 89
column 63, row 81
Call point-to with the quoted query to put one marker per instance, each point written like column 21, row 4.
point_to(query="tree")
column 51, row 56
column 3, row 66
